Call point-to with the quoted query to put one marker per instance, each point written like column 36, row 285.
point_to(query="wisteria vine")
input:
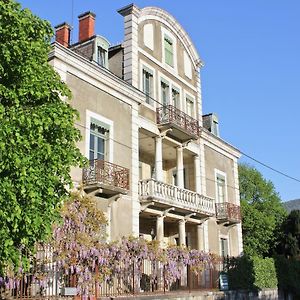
column 78, row 249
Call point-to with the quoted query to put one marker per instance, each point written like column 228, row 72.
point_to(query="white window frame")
column 224, row 175
column 165, row 32
column 193, row 98
column 224, row 237
column 172, row 85
column 110, row 123
column 142, row 65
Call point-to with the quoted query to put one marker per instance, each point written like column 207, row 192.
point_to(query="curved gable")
column 172, row 24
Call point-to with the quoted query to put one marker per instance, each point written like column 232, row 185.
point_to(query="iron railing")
column 103, row 172
column 228, row 211
column 169, row 114
column 138, row 278
column 175, row 196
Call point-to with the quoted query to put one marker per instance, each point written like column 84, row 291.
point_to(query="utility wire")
column 271, row 168
column 156, row 101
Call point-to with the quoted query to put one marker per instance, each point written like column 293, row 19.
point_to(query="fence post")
column 189, row 277
column 21, row 287
column 164, row 278
column 211, row 278
column 133, row 291
column 96, row 286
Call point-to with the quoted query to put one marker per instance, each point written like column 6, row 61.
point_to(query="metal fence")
column 49, row 281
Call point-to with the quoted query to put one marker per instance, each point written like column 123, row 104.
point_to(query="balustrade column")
column 160, row 229
column 180, row 174
column 158, row 159
column 197, row 174
column 182, row 234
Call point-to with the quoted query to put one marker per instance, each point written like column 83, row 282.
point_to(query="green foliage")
column 262, row 212
column 240, row 273
column 265, row 272
column 288, row 272
column 290, row 241
column 37, row 134
column 251, row 273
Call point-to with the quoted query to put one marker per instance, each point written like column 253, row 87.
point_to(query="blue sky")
column 251, row 77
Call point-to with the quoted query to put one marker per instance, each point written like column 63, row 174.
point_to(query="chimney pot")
column 62, row 34
column 86, row 26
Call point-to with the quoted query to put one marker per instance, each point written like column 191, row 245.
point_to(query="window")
column 189, row 106
column 148, row 85
column 220, row 189
column 215, row 128
column 164, row 93
column 224, row 247
column 101, row 57
column 169, row 56
column 98, row 140
column 175, row 97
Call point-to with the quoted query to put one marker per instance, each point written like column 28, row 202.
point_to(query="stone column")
column 200, row 237
column 160, row 229
column 158, row 159
column 182, row 234
column 180, row 174
column 197, row 174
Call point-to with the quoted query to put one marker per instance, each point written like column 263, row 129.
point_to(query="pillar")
column 158, row 159
column 180, row 175
column 160, row 229
column 182, row 234
column 197, row 174
column 200, row 237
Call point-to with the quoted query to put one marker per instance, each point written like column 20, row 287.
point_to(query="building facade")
column 158, row 167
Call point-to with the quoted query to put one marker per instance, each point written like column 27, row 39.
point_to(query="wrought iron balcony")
column 167, row 195
column 183, row 126
column 228, row 212
column 110, row 178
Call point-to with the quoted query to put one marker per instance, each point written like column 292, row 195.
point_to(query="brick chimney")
column 62, row 34
column 86, row 26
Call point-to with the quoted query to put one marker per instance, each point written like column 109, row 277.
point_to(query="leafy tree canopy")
column 37, row 134
column 262, row 212
column 290, row 241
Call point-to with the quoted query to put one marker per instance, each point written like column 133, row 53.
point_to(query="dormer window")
column 169, row 51
column 102, row 57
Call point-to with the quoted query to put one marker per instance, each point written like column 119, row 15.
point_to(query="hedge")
column 251, row 273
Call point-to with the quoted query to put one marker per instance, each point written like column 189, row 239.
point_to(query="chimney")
column 86, row 26
column 62, row 34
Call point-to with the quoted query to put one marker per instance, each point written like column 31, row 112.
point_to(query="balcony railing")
column 228, row 212
column 171, row 115
column 176, row 197
column 106, row 173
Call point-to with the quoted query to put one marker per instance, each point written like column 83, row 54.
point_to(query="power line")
column 271, row 168
column 243, row 153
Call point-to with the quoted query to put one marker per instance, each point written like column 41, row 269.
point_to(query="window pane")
column 175, row 98
column 92, row 155
column 168, row 51
column 164, row 93
column 100, row 156
column 100, row 147
column 221, row 189
column 92, row 141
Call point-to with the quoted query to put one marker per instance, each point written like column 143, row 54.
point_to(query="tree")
column 290, row 241
column 37, row 134
column 262, row 212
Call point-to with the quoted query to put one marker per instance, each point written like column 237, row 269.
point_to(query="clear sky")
column 251, row 77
